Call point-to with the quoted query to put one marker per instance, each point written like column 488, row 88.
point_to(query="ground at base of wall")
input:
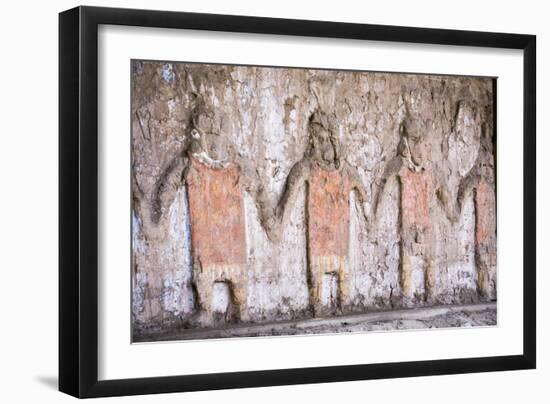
column 474, row 315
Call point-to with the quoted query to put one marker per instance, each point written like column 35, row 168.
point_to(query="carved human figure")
column 216, row 211
column 329, row 182
column 206, row 224
column 475, row 187
column 416, row 185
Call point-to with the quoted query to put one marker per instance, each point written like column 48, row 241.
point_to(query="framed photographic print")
column 251, row 201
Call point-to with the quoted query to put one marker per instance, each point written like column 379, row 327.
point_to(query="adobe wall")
column 262, row 194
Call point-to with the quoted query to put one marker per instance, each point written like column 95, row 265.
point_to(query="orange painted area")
column 415, row 199
column 328, row 212
column 484, row 211
column 216, row 212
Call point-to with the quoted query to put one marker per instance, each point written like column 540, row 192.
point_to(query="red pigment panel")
column 216, row 214
column 328, row 212
column 415, row 199
column 484, row 211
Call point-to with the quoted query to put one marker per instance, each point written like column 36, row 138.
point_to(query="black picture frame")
column 78, row 201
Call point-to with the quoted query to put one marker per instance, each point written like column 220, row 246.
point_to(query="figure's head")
column 208, row 141
column 414, row 144
column 324, row 147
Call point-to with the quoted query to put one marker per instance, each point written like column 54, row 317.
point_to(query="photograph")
column 271, row 201
column 275, row 202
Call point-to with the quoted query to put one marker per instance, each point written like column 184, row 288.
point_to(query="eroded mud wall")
column 262, row 194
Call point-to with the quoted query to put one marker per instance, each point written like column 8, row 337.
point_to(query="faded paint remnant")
column 217, row 230
column 216, row 212
column 484, row 205
column 415, row 200
column 329, row 212
column 485, row 238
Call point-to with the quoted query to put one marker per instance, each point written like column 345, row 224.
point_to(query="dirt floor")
column 476, row 315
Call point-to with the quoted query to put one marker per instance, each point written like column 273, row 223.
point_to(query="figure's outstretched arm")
column 445, row 201
column 467, row 185
column 170, row 177
column 273, row 219
column 392, row 169
column 357, row 185
column 453, row 208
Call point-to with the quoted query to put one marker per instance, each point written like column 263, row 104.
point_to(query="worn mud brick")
column 217, row 215
column 485, row 213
